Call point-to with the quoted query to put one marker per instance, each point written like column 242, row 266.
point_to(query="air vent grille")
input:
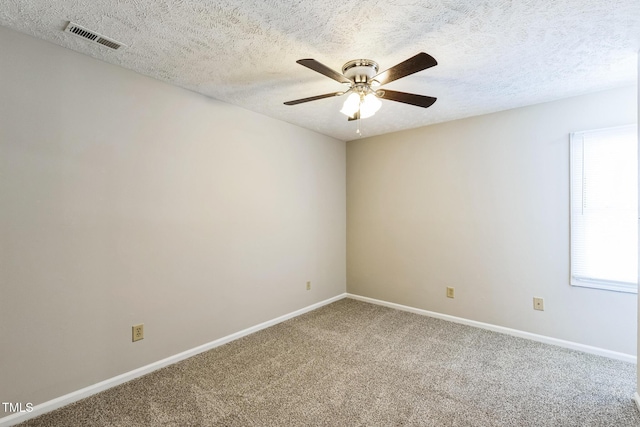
column 108, row 43
column 93, row 36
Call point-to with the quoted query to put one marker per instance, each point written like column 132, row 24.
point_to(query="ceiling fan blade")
column 323, row 69
column 313, row 98
column 407, row 98
column 420, row 62
column 356, row 116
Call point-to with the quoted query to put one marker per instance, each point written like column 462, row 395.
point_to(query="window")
column 604, row 209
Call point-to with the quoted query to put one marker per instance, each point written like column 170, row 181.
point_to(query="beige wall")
column 125, row 200
column 482, row 204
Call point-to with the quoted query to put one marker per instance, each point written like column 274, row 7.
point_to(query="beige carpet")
column 357, row 364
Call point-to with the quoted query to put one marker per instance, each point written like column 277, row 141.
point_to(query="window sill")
column 629, row 288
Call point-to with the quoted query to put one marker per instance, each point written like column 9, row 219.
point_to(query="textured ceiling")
column 493, row 54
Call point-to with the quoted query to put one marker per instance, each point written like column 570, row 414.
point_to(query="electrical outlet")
column 137, row 332
column 308, row 286
column 451, row 292
column 538, row 303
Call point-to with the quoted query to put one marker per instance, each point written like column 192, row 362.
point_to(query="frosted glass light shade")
column 369, row 106
column 351, row 105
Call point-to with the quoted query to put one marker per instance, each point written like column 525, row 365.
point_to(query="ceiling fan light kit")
column 362, row 77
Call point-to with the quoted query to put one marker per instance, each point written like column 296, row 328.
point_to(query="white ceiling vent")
column 80, row 31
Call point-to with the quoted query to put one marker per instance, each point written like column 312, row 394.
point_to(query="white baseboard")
column 67, row 399
column 514, row 332
column 636, row 397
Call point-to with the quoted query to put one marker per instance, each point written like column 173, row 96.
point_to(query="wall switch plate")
column 308, row 286
column 451, row 292
column 538, row 303
column 137, row 332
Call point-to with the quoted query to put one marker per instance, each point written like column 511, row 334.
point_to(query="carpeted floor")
column 356, row 364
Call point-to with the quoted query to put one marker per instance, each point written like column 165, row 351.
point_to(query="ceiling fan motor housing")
column 360, row 70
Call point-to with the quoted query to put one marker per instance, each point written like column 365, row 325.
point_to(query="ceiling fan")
column 363, row 79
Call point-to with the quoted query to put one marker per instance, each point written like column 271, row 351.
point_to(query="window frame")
column 575, row 139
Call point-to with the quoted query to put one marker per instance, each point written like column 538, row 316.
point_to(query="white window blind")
column 604, row 209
